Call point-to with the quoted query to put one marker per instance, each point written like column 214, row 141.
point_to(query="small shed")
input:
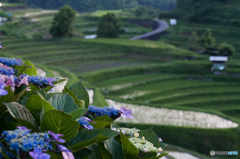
column 218, row 62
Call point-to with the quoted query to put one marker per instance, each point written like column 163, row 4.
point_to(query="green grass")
column 12, row 5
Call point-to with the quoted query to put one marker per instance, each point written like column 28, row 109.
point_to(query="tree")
column 206, row 40
column 63, row 21
column 226, row 49
column 109, row 26
column 193, row 42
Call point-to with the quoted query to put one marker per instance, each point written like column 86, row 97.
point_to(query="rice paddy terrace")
column 145, row 75
column 166, row 87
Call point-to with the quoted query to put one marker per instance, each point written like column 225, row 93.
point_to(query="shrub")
column 63, row 21
column 109, row 26
column 226, row 49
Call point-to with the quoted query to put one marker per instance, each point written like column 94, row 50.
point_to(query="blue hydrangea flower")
column 37, row 154
column 3, row 92
column 6, row 71
column 39, row 81
column 97, row 112
column 10, row 62
column 84, row 122
column 22, row 139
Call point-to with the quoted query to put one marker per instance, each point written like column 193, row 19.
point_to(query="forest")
column 87, row 6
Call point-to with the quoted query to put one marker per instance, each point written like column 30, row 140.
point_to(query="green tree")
column 193, row 42
column 206, row 40
column 109, row 26
column 226, row 49
column 63, row 21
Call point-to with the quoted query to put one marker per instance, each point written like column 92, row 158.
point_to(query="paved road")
column 162, row 26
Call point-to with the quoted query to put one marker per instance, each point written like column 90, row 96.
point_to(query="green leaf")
column 115, row 149
column 20, row 112
column 60, row 123
column 20, row 69
column 105, row 153
column 129, row 150
column 102, row 122
column 36, row 92
column 7, row 98
column 78, row 113
column 77, row 102
column 150, row 136
column 79, row 92
column 23, row 90
column 30, row 71
column 63, row 102
column 56, row 82
column 36, row 101
column 88, row 137
column 82, row 153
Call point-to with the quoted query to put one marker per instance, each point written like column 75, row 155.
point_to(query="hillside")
column 93, row 5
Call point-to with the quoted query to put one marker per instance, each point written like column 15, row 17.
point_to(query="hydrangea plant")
column 38, row 124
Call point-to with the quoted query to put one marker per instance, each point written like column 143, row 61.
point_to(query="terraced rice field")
column 150, row 74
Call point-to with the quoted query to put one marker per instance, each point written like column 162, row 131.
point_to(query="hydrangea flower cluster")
column 144, row 145
column 21, row 140
column 84, row 122
column 5, row 70
column 110, row 111
column 10, row 62
column 39, row 81
column 127, row 131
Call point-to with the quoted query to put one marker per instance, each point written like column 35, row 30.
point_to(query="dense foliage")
column 226, row 49
column 38, row 124
column 62, row 25
column 205, row 11
column 109, row 26
column 92, row 5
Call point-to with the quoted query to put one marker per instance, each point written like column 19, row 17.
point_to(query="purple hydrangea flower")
column 50, row 80
column 23, row 81
column 23, row 128
column 10, row 82
column 56, row 137
column 126, row 113
column 84, row 122
column 67, row 154
column 3, row 92
column 37, row 154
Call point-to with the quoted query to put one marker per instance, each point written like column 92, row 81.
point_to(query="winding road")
column 162, row 26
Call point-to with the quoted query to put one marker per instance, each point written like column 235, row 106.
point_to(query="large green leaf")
column 129, row 150
column 102, row 122
column 78, row 113
column 157, row 157
column 30, row 71
column 105, row 153
column 76, row 100
column 88, row 137
column 20, row 112
column 60, row 123
column 36, row 92
column 7, row 98
column 150, row 136
column 19, row 70
column 36, row 102
column 115, row 149
column 20, row 91
column 82, row 153
column 99, row 152
column 63, row 102
column 79, row 91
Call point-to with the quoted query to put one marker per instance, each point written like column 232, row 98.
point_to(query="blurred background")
column 174, row 63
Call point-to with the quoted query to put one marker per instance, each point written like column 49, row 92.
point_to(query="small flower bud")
column 136, row 134
column 146, row 150
column 143, row 138
column 160, row 139
column 160, row 149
